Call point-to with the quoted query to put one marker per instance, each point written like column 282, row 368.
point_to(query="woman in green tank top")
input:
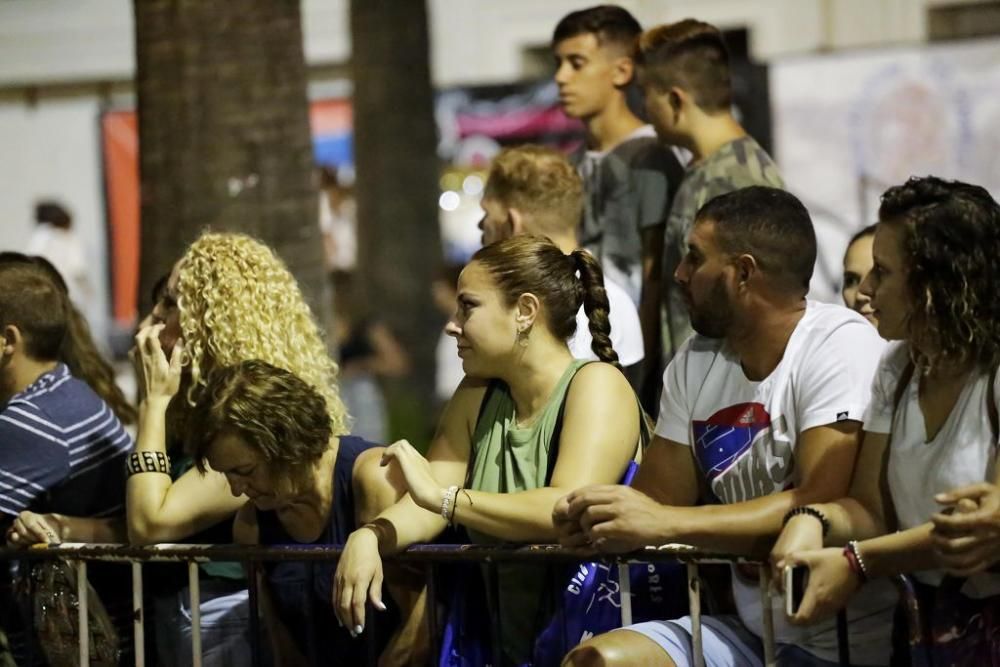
column 524, row 401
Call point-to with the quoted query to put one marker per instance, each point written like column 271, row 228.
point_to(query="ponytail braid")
column 596, row 306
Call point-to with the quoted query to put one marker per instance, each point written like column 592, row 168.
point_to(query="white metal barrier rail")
column 430, row 555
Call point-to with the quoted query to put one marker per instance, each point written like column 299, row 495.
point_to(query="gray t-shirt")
column 738, row 164
column 627, row 190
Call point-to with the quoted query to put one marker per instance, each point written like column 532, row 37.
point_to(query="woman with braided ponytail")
column 527, row 424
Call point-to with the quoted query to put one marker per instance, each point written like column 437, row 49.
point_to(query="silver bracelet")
column 854, row 549
column 448, row 503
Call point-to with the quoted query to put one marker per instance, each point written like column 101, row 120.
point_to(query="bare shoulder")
column 375, row 486
column 367, row 462
column 600, row 399
column 469, row 392
column 599, row 381
column 464, row 406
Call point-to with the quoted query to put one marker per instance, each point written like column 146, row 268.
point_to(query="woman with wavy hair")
column 931, row 425
column 270, row 434
column 527, row 425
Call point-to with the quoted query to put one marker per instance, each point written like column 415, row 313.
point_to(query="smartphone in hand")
column 796, row 578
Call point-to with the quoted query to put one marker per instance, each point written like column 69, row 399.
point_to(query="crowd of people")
column 856, row 442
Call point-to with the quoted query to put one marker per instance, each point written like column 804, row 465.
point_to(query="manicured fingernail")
column 380, row 606
column 358, row 629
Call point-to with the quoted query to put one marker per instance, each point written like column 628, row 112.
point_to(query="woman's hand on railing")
column 802, row 533
column 424, row 489
column 30, row 528
column 966, row 534
column 830, row 584
column 358, row 579
column 158, row 377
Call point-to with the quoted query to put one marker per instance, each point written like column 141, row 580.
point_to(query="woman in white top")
column 930, row 426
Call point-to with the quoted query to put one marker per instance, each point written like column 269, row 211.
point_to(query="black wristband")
column 811, row 511
column 138, row 462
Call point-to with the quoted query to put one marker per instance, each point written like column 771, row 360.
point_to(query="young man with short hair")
column 535, row 190
column 685, row 77
column 63, row 449
column 629, row 177
column 763, row 408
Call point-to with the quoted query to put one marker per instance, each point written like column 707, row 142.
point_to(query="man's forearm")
column 747, row 528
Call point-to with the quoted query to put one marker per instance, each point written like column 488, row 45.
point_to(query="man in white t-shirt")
column 761, row 408
column 535, row 190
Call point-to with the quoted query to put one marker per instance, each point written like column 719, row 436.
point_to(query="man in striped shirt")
column 62, row 449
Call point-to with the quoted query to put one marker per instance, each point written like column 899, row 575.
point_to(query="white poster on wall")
column 848, row 126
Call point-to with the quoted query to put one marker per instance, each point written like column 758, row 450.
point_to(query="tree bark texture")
column 399, row 245
column 224, row 135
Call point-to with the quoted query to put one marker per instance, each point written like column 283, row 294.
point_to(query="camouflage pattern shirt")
column 738, row 164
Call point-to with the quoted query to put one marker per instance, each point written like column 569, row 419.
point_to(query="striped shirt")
column 61, row 450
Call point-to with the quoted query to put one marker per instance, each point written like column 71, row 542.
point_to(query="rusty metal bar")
column 194, row 587
column 625, row 593
column 138, row 615
column 82, row 608
column 431, row 606
column 496, row 625
column 843, row 643
column 490, row 555
column 253, row 593
column 768, row 615
column 694, row 610
column 423, row 553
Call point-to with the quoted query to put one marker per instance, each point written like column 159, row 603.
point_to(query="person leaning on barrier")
column 230, row 299
column 931, row 425
column 517, row 305
column 270, row 434
column 227, row 300
column 62, row 449
column 762, row 406
column 535, row 190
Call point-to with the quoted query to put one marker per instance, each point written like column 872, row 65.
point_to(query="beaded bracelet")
column 811, row 511
column 138, row 462
column 448, row 503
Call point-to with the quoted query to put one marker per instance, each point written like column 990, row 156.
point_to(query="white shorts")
column 725, row 642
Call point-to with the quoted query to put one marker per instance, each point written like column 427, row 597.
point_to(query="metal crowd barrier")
column 429, row 555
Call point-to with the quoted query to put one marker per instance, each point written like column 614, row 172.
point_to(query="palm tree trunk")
column 224, row 133
column 399, row 246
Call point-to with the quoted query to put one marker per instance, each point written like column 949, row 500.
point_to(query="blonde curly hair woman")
column 238, row 301
column 228, row 299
